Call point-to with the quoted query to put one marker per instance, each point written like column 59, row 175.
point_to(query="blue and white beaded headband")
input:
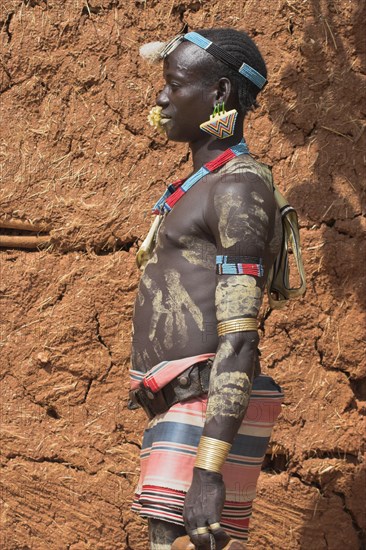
column 218, row 52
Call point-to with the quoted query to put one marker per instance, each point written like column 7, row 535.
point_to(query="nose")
column 162, row 98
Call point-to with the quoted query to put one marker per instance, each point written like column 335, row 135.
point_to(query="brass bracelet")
column 236, row 325
column 212, row 454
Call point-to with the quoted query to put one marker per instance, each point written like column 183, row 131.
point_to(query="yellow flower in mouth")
column 154, row 118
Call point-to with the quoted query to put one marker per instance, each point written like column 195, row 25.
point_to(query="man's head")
column 186, row 99
column 199, row 77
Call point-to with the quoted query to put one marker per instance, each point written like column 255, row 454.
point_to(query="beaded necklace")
column 177, row 189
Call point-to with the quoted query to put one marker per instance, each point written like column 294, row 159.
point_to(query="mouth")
column 164, row 120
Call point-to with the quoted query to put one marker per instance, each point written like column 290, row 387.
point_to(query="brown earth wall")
column 77, row 155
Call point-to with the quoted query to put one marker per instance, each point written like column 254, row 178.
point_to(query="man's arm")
column 241, row 217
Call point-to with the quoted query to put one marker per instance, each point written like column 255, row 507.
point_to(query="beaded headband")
column 218, row 52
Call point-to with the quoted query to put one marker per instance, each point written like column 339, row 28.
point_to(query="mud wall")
column 78, row 157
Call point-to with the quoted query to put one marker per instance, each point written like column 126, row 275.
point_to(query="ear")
column 224, row 88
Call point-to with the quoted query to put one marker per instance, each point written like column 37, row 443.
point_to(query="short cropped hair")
column 241, row 46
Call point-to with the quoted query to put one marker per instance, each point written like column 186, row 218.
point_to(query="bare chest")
column 184, row 228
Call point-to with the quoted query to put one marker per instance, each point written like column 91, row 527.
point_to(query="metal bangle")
column 211, row 454
column 236, row 325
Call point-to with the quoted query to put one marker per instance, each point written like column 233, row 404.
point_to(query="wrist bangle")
column 236, row 325
column 212, row 454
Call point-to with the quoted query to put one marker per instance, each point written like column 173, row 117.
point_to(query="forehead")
column 186, row 61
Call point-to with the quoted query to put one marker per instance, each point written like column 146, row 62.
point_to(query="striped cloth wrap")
column 170, row 444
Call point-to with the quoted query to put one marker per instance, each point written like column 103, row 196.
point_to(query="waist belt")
column 192, row 382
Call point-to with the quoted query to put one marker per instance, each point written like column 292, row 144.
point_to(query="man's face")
column 186, row 102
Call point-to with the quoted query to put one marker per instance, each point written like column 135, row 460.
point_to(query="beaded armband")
column 237, row 325
column 239, row 265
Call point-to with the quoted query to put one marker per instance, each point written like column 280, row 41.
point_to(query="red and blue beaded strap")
column 176, row 190
column 171, row 188
column 239, row 265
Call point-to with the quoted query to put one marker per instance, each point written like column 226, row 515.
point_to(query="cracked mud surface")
column 76, row 153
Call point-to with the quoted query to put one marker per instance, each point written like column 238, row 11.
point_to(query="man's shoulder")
column 242, row 190
column 241, row 176
column 245, row 165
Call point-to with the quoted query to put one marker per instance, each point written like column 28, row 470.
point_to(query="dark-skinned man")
column 195, row 367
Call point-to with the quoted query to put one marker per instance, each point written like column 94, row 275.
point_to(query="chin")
column 174, row 137
column 180, row 137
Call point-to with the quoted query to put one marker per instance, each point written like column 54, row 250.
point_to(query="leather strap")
column 193, row 382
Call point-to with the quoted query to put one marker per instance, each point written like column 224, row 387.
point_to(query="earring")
column 221, row 123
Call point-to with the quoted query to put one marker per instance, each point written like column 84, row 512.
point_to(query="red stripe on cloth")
column 162, row 373
column 219, row 161
column 166, row 490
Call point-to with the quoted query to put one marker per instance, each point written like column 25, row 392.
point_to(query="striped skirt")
column 169, row 449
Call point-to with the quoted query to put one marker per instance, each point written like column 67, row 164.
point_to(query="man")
column 195, row 313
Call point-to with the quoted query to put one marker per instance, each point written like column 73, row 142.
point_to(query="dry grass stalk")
column 337, row 133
